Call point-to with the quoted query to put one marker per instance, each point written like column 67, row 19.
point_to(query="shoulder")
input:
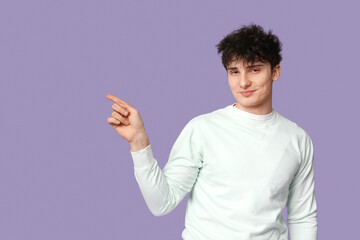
column 202, row 124
column 292, row 127
column 205, row 118
column 300, row 137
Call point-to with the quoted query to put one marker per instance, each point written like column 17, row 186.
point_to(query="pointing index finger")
column 116, row 99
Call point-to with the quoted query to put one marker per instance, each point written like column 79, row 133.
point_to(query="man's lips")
column 247, row 93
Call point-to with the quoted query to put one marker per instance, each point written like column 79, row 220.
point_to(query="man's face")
column 258, row 79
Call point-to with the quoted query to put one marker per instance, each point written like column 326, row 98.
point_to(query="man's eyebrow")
column 249, row 66
column 256, row 65
column 232, row 68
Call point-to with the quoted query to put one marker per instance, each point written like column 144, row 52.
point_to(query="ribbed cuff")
column 143, row 157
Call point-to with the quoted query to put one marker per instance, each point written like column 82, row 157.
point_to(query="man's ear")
column 276, row 72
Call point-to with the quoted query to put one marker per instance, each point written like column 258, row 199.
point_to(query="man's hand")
column 126, row 120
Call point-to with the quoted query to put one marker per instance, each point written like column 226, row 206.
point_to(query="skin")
column 258, row 76
column 127, row 122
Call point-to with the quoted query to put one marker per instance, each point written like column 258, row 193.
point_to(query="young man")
column 242, row 164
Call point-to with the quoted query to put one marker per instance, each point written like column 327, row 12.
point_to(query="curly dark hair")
column 251, row 44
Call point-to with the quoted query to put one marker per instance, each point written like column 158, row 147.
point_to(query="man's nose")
column 244, row 81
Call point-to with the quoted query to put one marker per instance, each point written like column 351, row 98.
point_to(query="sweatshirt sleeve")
column 164, row 189
column 301, row 204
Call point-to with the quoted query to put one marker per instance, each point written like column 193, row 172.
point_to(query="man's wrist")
column 140, row 142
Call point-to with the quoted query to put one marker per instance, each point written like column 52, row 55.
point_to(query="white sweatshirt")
column 241, row 170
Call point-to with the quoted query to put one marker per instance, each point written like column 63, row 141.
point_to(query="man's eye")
column 234, row 72
column 255, row 70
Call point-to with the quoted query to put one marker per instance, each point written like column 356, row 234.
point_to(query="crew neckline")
column 260, row 117
column 250, row 118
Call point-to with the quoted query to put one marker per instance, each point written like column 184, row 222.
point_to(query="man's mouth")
column 247, row 93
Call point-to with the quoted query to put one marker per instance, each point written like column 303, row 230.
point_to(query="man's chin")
column 245, row 104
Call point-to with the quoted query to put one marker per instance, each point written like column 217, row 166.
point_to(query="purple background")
column 66, row 174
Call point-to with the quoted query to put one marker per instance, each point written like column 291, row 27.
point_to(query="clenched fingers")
column 113, row 121
column 120, row 109
column 120, row 118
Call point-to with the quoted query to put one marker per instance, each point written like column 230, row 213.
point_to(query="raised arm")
column 162, row 189
column 301, row 204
